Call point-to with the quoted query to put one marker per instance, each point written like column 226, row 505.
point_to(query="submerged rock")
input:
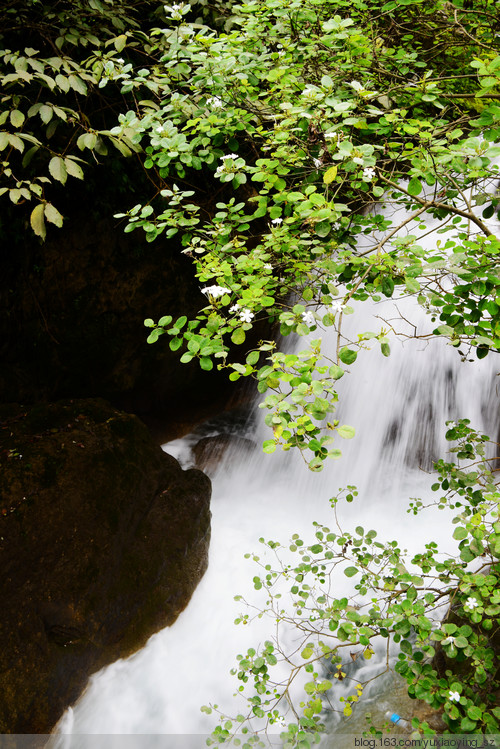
column 209, row 452
column 103, row 538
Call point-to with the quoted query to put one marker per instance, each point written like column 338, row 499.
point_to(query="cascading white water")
column 398, row 406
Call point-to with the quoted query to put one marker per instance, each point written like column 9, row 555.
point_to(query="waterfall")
column 398, row 406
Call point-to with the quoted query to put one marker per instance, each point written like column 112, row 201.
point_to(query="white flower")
column 330, row 135
column 471, row 603
column 176, row 11
column 449, row 640
column 317, row 162
column 454, row 696
column 308, row 318
column 336, row 307
column 246, row 315
column 229, row 156
column 368, row 173
column 214, row 102
column 234, row 308
column 267, row 266
column 276, row 221
column 215, row 291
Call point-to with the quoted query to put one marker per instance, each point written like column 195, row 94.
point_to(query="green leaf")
column 77, row 84
column 415, row 186
column 57, row 169
column 460, row 533
column 37, row 220
column 322, row 228
column 336, row 372
column 154, row 335
column 238, row 336
column 73, row 168
column 53, row 215
column 351, row 571
column 330, row 175
column 346, row 432
column 17, row 118
column 120, row 42
column 467, row 725
column 347, row 355
column 269, row 446
column 206, row 363
column 46, row 113
column 474, row 712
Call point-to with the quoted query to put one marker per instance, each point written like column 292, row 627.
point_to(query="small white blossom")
column 214, row 102
column 232, row 156
column 246, row 315
column 471, row 603
column 267, row 266
column 454, row 696
column 308, row 318
column 234, row 308
column 336, row 307
column 330, row 135
column 368, row 173
column 276, row 221
column 449, row 640
column 317, row 162
column 215, row 291
column 176, row 11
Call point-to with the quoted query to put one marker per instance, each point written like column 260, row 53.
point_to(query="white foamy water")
column 398, row 406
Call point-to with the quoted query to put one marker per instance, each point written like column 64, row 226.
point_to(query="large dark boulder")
column 103, row 538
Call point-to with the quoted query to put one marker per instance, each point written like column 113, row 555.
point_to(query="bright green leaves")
column 238, row 336
column 347, row 355
column 350, row 571
column 414, row 186
column 346, row 432
column 386, row 601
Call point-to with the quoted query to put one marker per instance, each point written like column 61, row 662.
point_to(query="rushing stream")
column 398, row 406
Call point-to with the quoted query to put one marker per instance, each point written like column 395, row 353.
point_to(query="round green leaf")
column 347, row 355
column 350, row 571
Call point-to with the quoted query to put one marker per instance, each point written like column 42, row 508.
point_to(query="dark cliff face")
column 71, row 319
column 103, row 538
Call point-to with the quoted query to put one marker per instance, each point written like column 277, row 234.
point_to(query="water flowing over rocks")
column 103, row 540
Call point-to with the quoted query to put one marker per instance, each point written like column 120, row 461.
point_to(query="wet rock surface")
column 103, row 538
column 209, row 452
